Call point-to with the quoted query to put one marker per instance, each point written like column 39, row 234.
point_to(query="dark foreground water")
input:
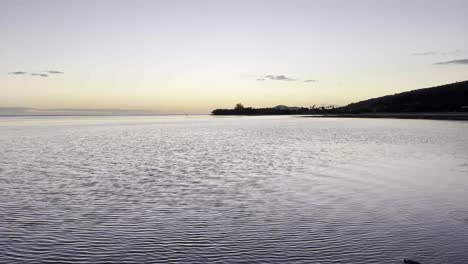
column 232, row 190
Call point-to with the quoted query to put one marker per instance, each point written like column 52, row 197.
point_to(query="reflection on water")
column 257, row 189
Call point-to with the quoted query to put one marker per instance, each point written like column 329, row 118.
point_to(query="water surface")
column 232, row 190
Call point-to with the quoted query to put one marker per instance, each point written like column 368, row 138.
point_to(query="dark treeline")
column 446, row 98
column 239, row 109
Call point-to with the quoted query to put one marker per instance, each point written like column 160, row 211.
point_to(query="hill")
column 444, row 98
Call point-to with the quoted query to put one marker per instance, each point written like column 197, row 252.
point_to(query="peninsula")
column 448, row 101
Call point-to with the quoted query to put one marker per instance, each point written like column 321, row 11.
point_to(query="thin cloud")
column 451, row 53
column 18, row 73
column 462, row 61
column 260, row 79
column 436, row 53
column 40, row 74
column 43, row 74
column 279, row 78
column 427, row 53
column 310, row 80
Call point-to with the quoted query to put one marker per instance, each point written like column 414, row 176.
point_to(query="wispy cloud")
column 451, row 53
column 18, row 73
column 40, row 74
column 310, row 80
column 426, row 53
column 462, row 61
column 437, row 53
column 260, row 79
column 279, row 78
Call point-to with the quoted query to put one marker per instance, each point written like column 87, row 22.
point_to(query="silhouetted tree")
column 239, row 106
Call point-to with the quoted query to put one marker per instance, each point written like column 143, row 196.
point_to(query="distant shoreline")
column 91, row 115
column 431, row 116
column 428, row 116
column 444, row 102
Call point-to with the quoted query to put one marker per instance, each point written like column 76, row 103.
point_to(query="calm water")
column 232, row 190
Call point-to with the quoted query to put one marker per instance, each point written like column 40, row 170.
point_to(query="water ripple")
column 246, row 190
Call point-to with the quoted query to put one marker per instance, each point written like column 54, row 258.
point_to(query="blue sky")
column 193, row 56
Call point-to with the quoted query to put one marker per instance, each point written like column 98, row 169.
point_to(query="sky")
column 191, row 56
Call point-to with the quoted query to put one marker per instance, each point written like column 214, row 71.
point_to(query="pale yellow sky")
column 178, row 57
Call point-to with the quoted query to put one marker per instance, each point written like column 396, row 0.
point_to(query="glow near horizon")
column 194, row 56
